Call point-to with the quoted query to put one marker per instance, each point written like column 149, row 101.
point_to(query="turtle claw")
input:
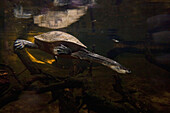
column 62, row 50
column 19, row 44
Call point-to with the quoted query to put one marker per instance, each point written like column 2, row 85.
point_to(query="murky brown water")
column 138, row 26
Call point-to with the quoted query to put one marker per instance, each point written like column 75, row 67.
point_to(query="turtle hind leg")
column 62, row 50
column 20, row 44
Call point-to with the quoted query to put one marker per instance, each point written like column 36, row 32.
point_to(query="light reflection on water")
column 126, row 22
column 59, row 19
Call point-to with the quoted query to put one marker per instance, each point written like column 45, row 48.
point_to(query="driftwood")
column 102, row 105
column 9, row 92
column 31, row 66
column 89, row 98
column 12, row 73
column 66, row 99
column 126, row 97
column 67, row 102
column 72, row 104
column 11, row 95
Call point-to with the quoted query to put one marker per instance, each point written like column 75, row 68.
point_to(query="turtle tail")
column 87, row 55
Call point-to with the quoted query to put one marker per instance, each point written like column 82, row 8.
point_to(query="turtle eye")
column 117, row 67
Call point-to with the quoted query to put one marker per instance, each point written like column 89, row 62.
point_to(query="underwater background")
column 135, row 33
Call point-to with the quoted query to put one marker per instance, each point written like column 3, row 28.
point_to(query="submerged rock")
column 158, row 22
column 161, row 37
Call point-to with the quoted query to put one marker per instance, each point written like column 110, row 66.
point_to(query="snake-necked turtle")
column 63, row 44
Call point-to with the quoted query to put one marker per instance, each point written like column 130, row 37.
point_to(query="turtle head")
column 120, row 69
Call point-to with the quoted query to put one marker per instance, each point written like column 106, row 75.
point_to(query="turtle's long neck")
column 87, row 55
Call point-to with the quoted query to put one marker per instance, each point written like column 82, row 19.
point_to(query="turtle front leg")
column 62, row 50
column 20, row 44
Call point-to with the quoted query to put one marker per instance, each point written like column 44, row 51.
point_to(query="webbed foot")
column 20, row 44
column 59, row 50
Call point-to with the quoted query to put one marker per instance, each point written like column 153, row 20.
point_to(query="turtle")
column 62, row 44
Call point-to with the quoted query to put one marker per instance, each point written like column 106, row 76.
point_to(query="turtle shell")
column 56, row 36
